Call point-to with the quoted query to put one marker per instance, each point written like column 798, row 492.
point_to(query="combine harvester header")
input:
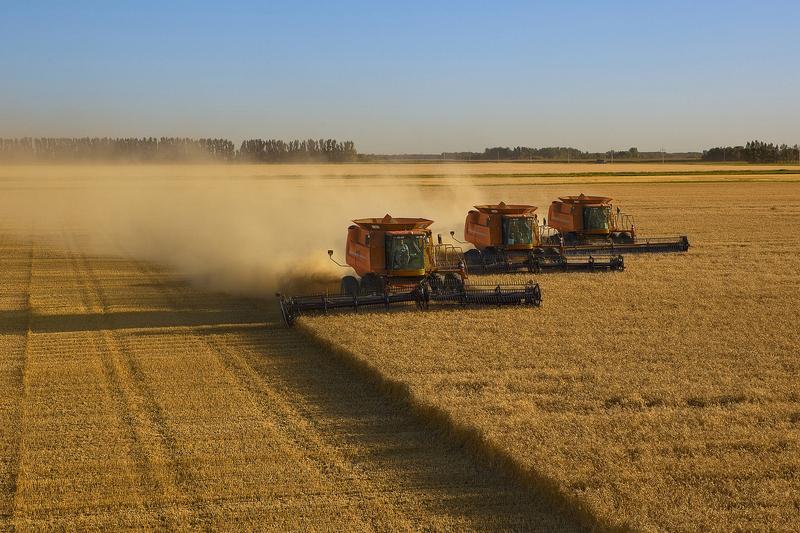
column 586, row 224
column 396, row 262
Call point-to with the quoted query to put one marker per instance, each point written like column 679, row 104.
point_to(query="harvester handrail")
column 622, row 221
column 447, row 256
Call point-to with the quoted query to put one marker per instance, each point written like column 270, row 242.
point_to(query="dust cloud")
column 249, row 236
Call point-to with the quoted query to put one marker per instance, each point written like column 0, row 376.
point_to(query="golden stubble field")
column 131, row 400
column 132, row 397
column 664, row 397
column 369, row 170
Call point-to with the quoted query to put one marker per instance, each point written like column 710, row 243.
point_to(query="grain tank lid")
column 389, row 223
column 584, row 199
column 506, row 209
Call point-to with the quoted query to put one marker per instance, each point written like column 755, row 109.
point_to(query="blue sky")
column 406, row 76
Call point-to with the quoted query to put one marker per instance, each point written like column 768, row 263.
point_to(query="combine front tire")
column 621, row 238
column 436, row 283
column 372, row 284
column 453, row 283
column 534, row 262
column 554, row 239
column 489, row 258
column 570, row 238
column 473, row 258
column 350, row 286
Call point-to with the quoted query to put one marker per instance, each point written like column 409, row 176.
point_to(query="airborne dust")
column 249, row 234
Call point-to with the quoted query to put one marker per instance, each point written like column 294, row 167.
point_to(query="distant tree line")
column 754, row 152
column 60, row 149
column 563, row 153
column 308, row 150
column 171, row 149
column 517, row 153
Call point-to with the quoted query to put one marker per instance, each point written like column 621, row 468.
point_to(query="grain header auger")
column 507, row 238
column 396, row 261
column 587, row 224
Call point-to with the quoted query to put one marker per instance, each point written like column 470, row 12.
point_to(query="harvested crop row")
column 15, row 264
column 146, row 403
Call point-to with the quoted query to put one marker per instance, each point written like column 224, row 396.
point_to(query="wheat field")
column 664, row 397
column 133, row 400
column 661, row 398
column 348, row 171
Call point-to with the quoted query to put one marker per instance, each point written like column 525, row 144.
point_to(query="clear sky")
column 406, row 76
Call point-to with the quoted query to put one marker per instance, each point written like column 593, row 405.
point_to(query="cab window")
column 517, row 230
column 596, row 218
column 405, row 252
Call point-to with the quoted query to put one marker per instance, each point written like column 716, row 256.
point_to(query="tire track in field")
column 339, row 450
column 164, row 486
column 274, row 406
column 380, row 468
column 359, row 434
column 201, row 509
column 298, row 428
column 14, row 361
column 400, row 455
column 91, row 343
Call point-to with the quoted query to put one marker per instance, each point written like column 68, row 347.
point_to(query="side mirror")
column 452, row 233
column 330, row 253
column 439, row 238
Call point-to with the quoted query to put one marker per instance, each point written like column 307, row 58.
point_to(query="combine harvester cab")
column 396, row 262
column 585, row 224
column 507, row 238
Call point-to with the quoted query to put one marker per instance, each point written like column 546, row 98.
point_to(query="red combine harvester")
column 585, row 224
column 396, row 261
column 507, row 238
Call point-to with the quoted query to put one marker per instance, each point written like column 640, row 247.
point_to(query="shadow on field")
column 13, row 322
column 381, row 437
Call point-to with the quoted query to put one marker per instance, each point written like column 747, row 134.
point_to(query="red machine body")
column 371, row 246
column 507, row 237
column 585, row 224
column 503, row 226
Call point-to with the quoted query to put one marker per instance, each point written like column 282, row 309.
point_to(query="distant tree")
column 753, row 152
column 127, row 149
